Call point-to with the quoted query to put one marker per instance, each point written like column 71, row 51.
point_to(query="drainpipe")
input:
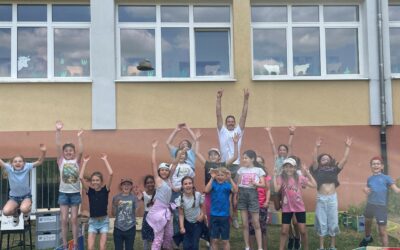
column 382, row 92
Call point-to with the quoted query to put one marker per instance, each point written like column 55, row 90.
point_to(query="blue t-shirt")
column 19, row 179
column 191, row 156
column 220, row 198
column 379, row 185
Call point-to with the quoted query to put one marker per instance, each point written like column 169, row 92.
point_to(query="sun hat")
column 145, row 65
column 216, row 150
column 126, row 179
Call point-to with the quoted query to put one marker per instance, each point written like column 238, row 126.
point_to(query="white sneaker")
column 15, row 221
column 235, row 223
column 27, row 216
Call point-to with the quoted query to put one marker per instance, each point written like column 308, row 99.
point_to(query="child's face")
column 325, row 159
column 164, row 173
column 96, row 182
column 289, row 169
column 126, row 187
column 221, row 177
column 282, row 152
column 149, row 185
column 18, row 163
column 214, row 157
column 247, row 161
column 182, row 158
column 184, row 145
column 69, row 153
column 187, row 186
column 376, row 167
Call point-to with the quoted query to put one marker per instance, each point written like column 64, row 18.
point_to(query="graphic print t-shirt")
column 292, row 200
column 249, row 175
column 69, row 176
column 125, row 208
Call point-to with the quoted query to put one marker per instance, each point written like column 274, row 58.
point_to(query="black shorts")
column 287, row 217
column 380, row 213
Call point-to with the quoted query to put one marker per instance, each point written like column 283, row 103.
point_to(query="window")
column 306, row 41
column 394, row 33
column 44, row 41
column 180, row 41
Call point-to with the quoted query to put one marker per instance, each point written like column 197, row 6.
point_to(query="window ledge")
column 170, row 80
column 396, row 76
column 46, row 80
column 310, row 78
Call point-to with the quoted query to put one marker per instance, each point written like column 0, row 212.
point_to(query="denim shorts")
column 69, row 199
column 20, row 199
column 326, row 215
column 380, row 212
column 248, row 200
column 219, row 228
column 99, row 225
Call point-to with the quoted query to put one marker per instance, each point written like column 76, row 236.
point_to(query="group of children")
column 175, row 210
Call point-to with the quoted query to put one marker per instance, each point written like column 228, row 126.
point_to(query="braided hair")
column 193, row 191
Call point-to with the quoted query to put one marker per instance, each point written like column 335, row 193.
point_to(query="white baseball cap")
column 290, row 161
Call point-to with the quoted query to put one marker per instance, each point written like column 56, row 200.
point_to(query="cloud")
column 139, row 43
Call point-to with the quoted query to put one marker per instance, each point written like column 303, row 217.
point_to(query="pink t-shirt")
column 262, row 193
column 292, row 200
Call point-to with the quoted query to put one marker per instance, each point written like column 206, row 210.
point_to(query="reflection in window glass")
column 211, row 14
column 136, row 46
column 175, row 52
column 212, row 53
column 71, row 53
column 305, row 14
column 306, row 54
column 342, row 51
column 395, row 49
column 5, row 12
column 128, row 13
column 32, row 53
column 5, row 52
column 269, row 13
column 28, row 13
column 340, row 13
column 269, row 52
column 174, row 14
column 394, row 12
column 71, row 13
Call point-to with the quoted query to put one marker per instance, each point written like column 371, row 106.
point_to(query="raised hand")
column 213, row 173
column 228, row 174
column 198, row 134
column 219, row 93
column 154, row 144
column 236, row 137
column 103, row 156
column 348, row 141
column 246, row 93
column 318, row 142
column 268, row 129
column 80, row 133
column 181, row 125
column 59, row 125
column 292, row 129
column 305, row 168
column 86, row 158
column 42, row 147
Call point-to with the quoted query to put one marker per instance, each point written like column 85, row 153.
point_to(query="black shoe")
column 297, row 244
column 290, row 244
column 365, row 242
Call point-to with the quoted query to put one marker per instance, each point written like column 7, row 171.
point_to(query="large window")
column 44, row 41
column 394, row 23
column 179, row 41
column 306, row 41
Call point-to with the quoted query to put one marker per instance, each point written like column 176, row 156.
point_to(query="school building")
column 331, row 68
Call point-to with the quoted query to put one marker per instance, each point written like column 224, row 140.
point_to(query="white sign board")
column 7, row 223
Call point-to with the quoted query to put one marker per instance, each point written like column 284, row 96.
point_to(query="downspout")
column 382, row 92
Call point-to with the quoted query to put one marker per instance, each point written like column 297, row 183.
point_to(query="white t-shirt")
column 182, row 170
column 226, row 144
column 249, row 174
column 186, row 203
column 146, row 200
column 69, row 176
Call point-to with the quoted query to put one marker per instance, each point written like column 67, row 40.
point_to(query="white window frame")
column 394, row 24
column 50, row 25
column 322, row 27
column 157, row 26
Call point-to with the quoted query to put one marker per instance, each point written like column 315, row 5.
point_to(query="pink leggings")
column 163, row 238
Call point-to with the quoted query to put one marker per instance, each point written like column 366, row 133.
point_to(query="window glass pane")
column 32, row 13
column 269, row 52
column 212, row 53
column 394, row 12
column 395, row 49
column 71, row 13
column 269, row 14
column 137, row 45
column 128, row 13
column 342, row 51
column 5, row 12
column 211, row 14
column 340, row 13
column 32, row 53
column 174, row 14
column 71, row 52
column 305, row 14
column 5, row 52
column 175, row 52
column 306, row 56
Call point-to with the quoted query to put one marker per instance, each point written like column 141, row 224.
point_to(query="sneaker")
column 290, row 244
column 235, row 223
column 365, row 242
column 297, row 244
column 15, row 221
column 332, row 248
column 27, row 217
